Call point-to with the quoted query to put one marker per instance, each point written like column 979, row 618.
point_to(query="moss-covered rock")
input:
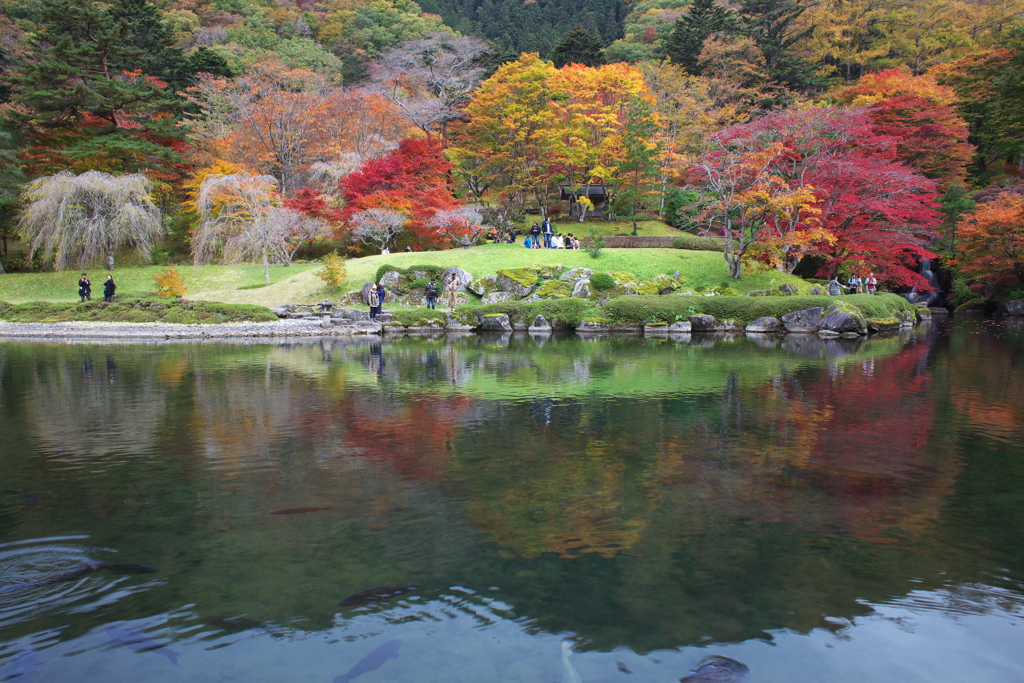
column 548, row 271
column 554, row 289
column 622, row 278
column 841, row 316
column 666, row 284
column 576, row 274
column 484, row 285
column 517, row 281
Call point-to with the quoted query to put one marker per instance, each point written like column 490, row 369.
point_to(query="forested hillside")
column 830, row 138
column 515, row 26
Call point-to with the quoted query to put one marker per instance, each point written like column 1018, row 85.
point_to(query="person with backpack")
column 431, row 291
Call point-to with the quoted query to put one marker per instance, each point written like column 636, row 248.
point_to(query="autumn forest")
column 826, row 139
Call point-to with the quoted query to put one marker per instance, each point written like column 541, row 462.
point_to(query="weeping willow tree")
column 74, row 220
column 240, row 222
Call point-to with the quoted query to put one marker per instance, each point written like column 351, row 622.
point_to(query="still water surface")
column 547, row 510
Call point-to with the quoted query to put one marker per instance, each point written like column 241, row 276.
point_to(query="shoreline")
column 156, row 330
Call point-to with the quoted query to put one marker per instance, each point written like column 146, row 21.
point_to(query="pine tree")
column 686, row 41
column 90, row 103
column 578, row 46
column 769, row 23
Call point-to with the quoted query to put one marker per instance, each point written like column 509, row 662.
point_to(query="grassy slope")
column 298, row 284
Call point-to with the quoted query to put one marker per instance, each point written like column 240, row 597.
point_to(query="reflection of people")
column 453, row 292
column 431, row 291
column 84, row 288
column 108, row 288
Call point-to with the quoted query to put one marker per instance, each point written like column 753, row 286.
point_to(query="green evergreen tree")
column 706, row 17
column 637, row 173
column 769, row 23
column 578, row 46
column 89, row 102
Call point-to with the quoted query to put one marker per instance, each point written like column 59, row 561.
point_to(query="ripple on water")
column 49, row 575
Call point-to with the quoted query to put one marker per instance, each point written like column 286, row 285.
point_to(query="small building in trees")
column 598, row 196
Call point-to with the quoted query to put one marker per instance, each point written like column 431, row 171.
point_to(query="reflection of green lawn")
column 616, row 368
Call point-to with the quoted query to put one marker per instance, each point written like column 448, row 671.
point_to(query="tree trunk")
column 266, row 269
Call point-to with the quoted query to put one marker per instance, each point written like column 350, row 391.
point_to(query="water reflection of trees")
column 645, row 494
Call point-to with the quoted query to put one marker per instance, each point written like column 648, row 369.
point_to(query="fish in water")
column 22, row 667
column 139, row 642
column 372, row 661
column 378, row 594
column 297, row 511
column 718, row 669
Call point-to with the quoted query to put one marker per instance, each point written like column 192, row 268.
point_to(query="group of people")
column 854, row 285
column 376, row 294
column 85, row 288
column 544, row 236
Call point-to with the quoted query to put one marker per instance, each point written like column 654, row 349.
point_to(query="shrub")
column 383, row 270
column 333, row 273
column 641, row 309
column 569, row 311
column 169, row 283
column 695, row 243
column 594, row 244
column 139, row 311
column 602, row 281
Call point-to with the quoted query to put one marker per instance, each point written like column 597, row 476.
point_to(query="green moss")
column 527, row 277
column 417, row 317
column 622, row 278
column 648, row 288
column 554, row 289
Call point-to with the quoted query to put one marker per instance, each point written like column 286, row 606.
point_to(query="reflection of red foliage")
column 880, row 424
column 415, row 439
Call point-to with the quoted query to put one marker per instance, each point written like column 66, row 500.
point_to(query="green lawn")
column 298, row 284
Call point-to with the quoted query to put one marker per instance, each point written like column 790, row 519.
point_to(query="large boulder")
column 396, row 282
column 583, row 290
column 497, row 297
column 1012, row 307
column 841, row 317
column 806, row 320
column 766, row 325
column 576, row 274
column 645, row 288
column 704, row 323
column 788, row 290
column 495, row 322
column 518, row 282
column 548, row 271
column 485, row 285
column 464, row 278
column 540, row 324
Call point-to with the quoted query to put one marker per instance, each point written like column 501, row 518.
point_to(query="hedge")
column 569, row 310
column 142, row 310
column 695, row 243
column 743, row 309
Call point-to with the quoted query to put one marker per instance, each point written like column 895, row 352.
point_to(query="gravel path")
column 127, row 331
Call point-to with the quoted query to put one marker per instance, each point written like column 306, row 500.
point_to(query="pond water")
column 531, row 509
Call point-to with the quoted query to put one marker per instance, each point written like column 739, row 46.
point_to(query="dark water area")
column 515, row 508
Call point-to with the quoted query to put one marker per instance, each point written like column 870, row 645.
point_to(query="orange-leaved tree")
column 992, row 241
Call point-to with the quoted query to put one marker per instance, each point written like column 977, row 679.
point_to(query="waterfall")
column 926, row 298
